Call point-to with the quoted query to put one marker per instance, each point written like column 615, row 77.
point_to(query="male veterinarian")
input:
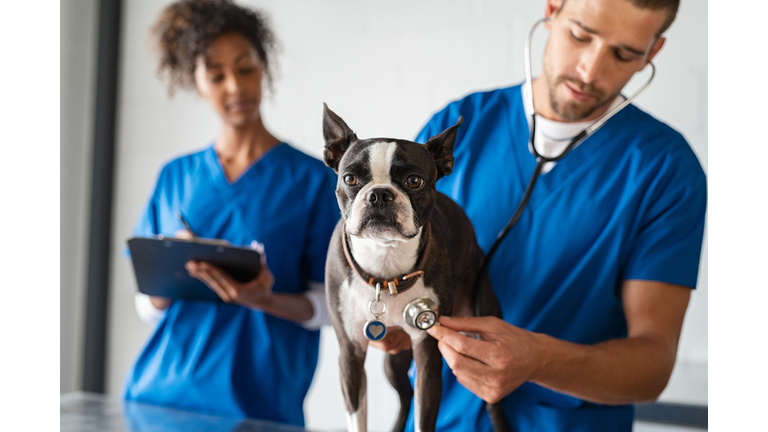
column 595, row 278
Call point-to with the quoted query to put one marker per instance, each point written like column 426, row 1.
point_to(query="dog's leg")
column 396, row 367
column 351, row 362
column 429, row 384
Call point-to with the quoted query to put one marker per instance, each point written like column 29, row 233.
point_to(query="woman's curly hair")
column 186, row 28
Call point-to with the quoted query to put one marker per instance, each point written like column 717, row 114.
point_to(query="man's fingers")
column 395, row 341
column 399, row 341
column 477, row 377
column 461, row 364
column 464, row 345
column 482, row 325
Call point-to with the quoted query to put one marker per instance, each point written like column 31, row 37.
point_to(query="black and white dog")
column 400, row 253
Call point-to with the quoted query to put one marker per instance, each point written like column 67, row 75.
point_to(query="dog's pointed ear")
column 440, row 147
column 338, row 137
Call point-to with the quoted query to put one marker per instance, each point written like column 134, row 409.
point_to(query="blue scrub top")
column 222, row 358
column 627, row 203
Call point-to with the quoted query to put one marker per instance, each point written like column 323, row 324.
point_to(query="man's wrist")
column 544, row 348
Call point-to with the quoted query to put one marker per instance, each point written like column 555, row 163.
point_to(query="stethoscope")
column 541, row 160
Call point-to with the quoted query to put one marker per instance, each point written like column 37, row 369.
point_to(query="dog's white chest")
column 355, row 297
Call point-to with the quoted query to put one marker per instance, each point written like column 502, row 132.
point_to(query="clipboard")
column 159, row 265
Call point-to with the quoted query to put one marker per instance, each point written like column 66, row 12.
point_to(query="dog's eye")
column 350, row 179
column 414, row 182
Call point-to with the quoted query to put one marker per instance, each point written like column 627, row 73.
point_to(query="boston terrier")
column 401, row 255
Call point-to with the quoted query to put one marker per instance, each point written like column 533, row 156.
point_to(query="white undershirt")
column 552, row 137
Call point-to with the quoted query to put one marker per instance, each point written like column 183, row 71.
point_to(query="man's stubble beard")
column 572, row 111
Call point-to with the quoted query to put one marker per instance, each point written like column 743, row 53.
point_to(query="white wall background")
column 385, row 67
column 79, row 30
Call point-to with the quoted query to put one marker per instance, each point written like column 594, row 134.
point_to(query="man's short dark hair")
column 670, row 5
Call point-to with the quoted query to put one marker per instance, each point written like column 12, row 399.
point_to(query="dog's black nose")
column 380, row 196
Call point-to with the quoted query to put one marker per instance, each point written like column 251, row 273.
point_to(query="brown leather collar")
column 398, row 284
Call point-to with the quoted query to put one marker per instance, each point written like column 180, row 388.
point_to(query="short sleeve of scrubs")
column 667, row 244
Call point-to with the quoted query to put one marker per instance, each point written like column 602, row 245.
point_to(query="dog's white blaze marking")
column 380, row 156
column 356, row 422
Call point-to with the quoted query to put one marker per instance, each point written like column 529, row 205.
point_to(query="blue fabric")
column 627, row 203
column 227, row 359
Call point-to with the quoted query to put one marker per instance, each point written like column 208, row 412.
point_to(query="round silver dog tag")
column 375, row 330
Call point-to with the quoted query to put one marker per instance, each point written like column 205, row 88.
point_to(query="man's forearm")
column 620, row 371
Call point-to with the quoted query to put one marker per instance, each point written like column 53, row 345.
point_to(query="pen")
column 186, row 225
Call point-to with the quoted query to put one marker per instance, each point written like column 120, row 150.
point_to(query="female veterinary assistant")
column 254, row 354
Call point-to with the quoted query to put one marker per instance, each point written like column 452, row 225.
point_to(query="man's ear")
column 440, row 147
column 553, row 7
column 338, row 137
column 655, row 48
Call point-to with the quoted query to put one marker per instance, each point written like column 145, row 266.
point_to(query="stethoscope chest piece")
column 421, row 313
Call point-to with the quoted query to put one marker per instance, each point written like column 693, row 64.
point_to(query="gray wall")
column 385, row 67
column 78, row 81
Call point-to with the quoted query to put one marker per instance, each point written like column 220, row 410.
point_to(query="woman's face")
column 229, row 78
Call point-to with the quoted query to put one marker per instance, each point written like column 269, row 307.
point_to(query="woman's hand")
column 160, row 303
column 255, row 293
column 183, row 234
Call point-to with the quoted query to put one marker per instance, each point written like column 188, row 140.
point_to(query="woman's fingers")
column 198, row 271
column 251, row 293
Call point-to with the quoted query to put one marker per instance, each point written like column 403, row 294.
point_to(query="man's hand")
column 255, row 293
column 506, row 357
column 395, row 341
column 617, row 371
